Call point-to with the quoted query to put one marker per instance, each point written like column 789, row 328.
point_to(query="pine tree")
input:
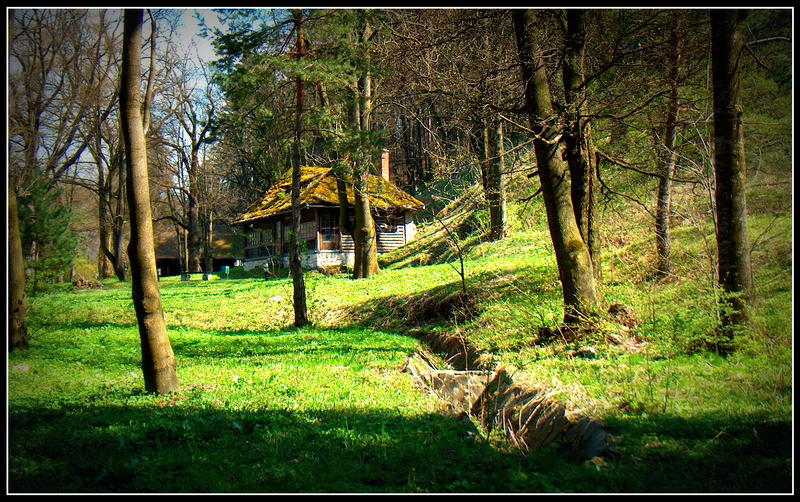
column 46, row 237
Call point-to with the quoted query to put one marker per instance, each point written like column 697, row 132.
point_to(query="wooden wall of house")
column 269, row 238
column 389, row 235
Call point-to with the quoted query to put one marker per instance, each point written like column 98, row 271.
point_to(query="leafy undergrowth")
column 265, row 407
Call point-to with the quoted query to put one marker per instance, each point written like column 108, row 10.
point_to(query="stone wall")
column 315, row 260
column 529, row 418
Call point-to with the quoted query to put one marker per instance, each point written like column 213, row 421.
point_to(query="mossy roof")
column 318, row 188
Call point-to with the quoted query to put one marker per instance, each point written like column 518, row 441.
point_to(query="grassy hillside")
column 265, row 407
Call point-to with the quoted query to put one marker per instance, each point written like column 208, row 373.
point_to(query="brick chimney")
column 385, row 165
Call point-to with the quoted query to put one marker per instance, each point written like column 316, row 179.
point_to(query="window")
column 386, row 226
column 267, row 236
column 308, row 230
column 327, row 226
column 253, row 239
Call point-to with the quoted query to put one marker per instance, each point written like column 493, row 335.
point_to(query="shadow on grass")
column 185, row 448
column 438, row 305
column 707, row 453
column 191, row 449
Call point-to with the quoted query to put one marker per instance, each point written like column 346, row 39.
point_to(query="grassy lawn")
column 265, row 407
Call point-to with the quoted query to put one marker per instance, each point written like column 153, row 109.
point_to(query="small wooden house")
column 267, row 221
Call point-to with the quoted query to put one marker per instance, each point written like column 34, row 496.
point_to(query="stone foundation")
column 316, row 260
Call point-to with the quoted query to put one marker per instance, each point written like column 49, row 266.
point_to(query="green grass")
column 265, row 407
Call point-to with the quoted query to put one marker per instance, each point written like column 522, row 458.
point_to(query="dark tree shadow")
column 173, row 449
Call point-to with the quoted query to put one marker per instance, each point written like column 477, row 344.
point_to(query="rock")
column 587, row 439
column 463, row 389
column 624, row 315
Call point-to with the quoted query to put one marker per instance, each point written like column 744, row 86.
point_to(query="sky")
column 191, row 31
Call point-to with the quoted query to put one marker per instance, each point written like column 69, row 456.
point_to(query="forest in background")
column 630, row 93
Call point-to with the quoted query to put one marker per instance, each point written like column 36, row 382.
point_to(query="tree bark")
column 345, row 227
column 104, row 267
column 195, row 239
column 17, row 302
column 364, row 234
column 110, row 251
column 572, row 254
column 158, row 360
column 494, row 177
column 577, row 139
column 208, row 247
column 667, row 159
column 295, row 264
column 733, row 247
column 119, row 219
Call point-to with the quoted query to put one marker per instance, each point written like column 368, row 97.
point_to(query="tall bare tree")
column 158, row 360
column 667, row 157
column 364, row 233
column 106, row 177
column 110, row 189
column 52, row 86
column 196, row 117
column 572, row 254
column 17, row 302
column 578, row 146
column 733, row 247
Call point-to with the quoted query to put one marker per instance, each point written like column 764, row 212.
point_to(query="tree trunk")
column 17, row 302
column 208, row 248
column 344, row 217
column 577, row 139
column 158, row 360
column 119, row 221
column 104, row 265
column 364, row 234
column 594, row 217
column 572, row 75
column 295, row 264
column 110, row 226
column 179, row 239
column 572, row 254
column 733, row 247
column 667, row 159
column 494, row 178
column 195, row 238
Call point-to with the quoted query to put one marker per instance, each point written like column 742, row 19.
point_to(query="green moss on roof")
column 318, row 188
